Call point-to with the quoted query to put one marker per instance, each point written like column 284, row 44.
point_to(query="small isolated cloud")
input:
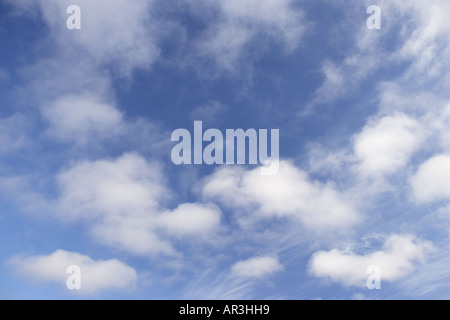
column 395, row 261
column 82, row 118
column 96, row 275
column 257, row 267
column 386, row 145
column 288, row 194
column 431, row 181
column 191, row 219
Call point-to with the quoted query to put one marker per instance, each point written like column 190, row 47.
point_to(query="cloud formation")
column 395, row 260
column 288, row 194
column 122, row 200
column 117, row 31
column 123, row 196
column 430, row 182
column 96, row 275
column 241, row 22
column 257, row 267
column 81, row 118
column 386, row 145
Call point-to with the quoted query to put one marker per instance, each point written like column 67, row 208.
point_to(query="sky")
column 87, row 178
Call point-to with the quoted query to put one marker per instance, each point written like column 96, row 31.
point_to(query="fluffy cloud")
column 127, row 184
column 289, row 193
column 191, row 219
column 347, row 268
column 123, row 201
column 96, row 275
column 430, row 183
column 257, row 267
column 386, row 145
column 81, row 118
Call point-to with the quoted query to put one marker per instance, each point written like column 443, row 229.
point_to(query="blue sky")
column 86, row 176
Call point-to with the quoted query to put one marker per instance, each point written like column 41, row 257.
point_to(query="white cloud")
column 123, row 201
column 72, row 82
column 96, row 275
column 423, row 37
column 241, row 21
column 289, row 193
column 127, row 184
column 257, row 267
column 386, row 145
column 112, row 31
column 121, row 197
column 431, row 181
column 191, row 219
column 81, row 118
column 395, row 261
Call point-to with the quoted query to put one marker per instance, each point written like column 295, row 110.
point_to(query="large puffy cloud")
column 347, row 268
column 257, row 267
column 289, row 193
column 96, row 275
column 386, row 145
column 123, row 201
column 430, row 182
